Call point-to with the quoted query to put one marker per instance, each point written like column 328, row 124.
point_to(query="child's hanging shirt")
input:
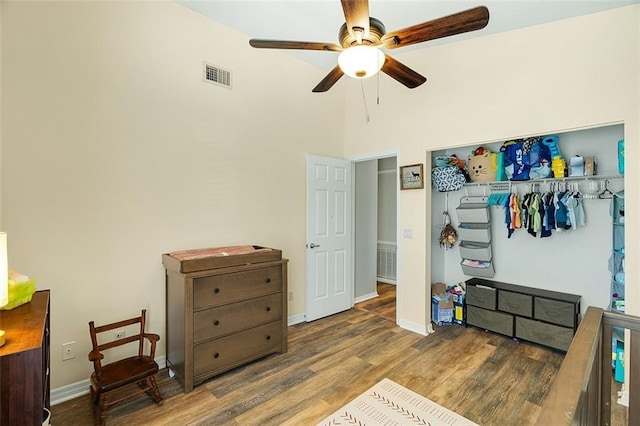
column 576, row 212
column 535, row 219
column 561, row 211
column 550, row 210
column 506, row 205
column 516, row 217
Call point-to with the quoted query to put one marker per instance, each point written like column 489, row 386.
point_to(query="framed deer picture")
column 411, row 177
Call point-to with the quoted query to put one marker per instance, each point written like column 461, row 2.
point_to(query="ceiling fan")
column 362, row 38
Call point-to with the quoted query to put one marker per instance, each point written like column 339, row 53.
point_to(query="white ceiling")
column 320, row 20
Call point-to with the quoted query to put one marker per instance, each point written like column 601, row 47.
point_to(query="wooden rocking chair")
column 110, row 378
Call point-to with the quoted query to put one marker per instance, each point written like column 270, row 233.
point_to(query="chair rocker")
column 108, row 380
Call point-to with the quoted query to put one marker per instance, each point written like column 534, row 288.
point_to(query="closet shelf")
column 562, row 179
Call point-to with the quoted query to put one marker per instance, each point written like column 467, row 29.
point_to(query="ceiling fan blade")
column 328, row 82
column 458, row 23
column 402, row 73
column 301, row 45
column 356, row 15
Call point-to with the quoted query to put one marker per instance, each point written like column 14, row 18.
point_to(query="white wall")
column 114, row 151
column 545, row 79
column 573, row 261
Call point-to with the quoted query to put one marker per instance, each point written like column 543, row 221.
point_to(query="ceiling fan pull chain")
column 364, row 101
column 378, row 94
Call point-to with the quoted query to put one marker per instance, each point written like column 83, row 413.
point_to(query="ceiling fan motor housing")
column 376, row 31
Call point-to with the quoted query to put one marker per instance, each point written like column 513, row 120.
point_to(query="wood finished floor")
column 384, row 305
column 485, row 377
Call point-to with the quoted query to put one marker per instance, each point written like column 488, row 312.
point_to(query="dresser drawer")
column 543, row 333
column 217, row 290
column 516, row 303
column 214, row 356
column 555, row 311
column 227, row 319
column 490, row 320
column 482, row 297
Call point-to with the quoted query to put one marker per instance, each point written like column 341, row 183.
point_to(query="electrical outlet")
column 118, row 334
column 290, row 296
column 68, row 351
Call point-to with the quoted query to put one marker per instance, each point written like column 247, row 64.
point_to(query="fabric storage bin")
column 483, row 297
column 475, row 251
column 478, row 232
column 543, row 333
column 473, row 213
column 515, row 303
column 477, row 269
column 555, row 311
column 490, row 320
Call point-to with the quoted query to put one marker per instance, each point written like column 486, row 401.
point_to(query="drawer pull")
column 268, row 280
column 216, row 322
column 216, row 355
column 268, row 308
column 268, row 337
column 217, row 290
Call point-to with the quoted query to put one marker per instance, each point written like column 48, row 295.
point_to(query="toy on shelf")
column 558, row 164
column 483, row 165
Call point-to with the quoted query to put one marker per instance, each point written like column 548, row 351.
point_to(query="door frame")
column 368, row 157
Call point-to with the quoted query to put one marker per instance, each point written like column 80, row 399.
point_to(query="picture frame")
column 411, row 177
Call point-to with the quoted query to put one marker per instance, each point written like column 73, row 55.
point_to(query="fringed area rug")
column 389, row 404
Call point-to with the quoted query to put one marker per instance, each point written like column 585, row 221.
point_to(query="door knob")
column 312, row 245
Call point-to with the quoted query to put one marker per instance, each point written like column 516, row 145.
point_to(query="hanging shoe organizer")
column 474, row 232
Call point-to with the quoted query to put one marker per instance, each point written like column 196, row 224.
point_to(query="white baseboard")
column 623, row 398
column 68, row 392
column 366, row 297
column 74, row 390
column 415, row 327
column 386, row 280
column 296, row 319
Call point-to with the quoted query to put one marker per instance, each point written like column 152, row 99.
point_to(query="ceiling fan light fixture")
column 361, row 61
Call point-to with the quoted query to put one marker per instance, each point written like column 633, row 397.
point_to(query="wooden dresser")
column 24, row 362
column 224, row 312
column 546, row 317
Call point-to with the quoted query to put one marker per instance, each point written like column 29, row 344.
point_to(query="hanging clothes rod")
column 531, row 181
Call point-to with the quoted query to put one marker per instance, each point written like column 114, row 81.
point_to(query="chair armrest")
column 95, row 356
column 153, row 338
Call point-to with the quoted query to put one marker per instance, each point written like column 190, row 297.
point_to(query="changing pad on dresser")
column 218, row 257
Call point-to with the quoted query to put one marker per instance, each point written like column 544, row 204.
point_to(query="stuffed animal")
column 482, row 165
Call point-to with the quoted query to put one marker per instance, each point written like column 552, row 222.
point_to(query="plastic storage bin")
column 442, row 312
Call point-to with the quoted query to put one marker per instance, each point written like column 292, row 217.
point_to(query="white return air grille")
column 387, row 262
column 216, row 75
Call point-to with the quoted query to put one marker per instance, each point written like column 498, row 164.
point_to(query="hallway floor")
column 384, row 305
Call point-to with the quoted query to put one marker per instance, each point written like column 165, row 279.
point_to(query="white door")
column 329, row 286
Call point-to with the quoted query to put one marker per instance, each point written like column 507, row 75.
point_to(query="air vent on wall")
column 216, row 75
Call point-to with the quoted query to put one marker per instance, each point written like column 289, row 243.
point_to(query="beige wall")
column 565, row 75
column 114, row 151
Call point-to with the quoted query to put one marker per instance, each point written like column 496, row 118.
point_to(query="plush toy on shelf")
column 483, row 165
